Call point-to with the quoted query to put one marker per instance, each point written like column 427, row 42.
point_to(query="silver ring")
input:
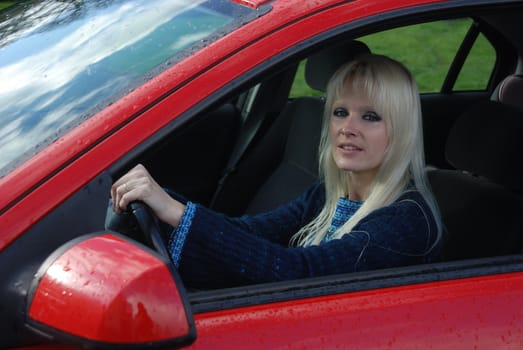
column 126, row 187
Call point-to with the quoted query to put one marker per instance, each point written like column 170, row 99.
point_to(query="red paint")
column 476, row 313
column 106, row 289
column 251, row 3
column 473, row 313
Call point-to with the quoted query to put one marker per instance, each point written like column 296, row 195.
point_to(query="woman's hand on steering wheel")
column 138, row 185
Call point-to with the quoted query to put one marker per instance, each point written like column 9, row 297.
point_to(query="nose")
column 349, row 127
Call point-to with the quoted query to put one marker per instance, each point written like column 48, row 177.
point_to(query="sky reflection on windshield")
column 52, row 77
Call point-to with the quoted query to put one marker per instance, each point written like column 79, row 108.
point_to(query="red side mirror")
column 105, row 290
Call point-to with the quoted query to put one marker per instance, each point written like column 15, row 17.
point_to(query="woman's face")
column 358, row 135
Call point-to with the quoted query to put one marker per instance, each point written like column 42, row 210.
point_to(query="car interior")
column 260, row 149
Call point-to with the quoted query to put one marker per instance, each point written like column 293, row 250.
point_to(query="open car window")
column 475, row 73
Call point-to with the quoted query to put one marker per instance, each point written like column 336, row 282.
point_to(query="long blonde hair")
column 395, row 97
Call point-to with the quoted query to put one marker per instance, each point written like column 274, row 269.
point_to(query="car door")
column 446, row 305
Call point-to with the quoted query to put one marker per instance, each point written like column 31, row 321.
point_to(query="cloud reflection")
column 43, row 92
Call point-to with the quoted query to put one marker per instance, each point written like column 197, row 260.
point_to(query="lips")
column 349, row 147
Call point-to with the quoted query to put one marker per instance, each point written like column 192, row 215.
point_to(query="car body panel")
column 481, row 313
column 251, row 3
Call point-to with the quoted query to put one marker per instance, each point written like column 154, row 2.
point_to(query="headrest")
column 510, row 91
column 322, row 65
column 486, row 141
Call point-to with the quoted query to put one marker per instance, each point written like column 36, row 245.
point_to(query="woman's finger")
column 127, row 184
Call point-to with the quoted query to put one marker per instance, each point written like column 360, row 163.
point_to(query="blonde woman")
column 371, row 209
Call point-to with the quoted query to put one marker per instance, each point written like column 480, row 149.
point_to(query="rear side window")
column 478, row 68
column 428, row 50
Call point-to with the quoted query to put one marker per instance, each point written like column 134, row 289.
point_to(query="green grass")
column 427, row 50
column 5, row 4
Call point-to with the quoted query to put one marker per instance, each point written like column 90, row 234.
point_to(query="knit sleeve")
column 276, row 226
column 177, row 238
column 220, row 252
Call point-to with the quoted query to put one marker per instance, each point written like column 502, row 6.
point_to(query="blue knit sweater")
column 212, row 250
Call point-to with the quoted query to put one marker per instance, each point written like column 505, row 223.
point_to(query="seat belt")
column 267, row 107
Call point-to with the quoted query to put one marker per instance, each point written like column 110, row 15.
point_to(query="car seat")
column 510, row 91
column 479, row 201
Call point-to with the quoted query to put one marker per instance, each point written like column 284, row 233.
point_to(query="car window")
column 5, row 4
column 299, row 86
column 428, row 49
column 66, row 61
column 476, row 72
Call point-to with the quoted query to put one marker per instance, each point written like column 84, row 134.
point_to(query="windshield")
column 62, row 61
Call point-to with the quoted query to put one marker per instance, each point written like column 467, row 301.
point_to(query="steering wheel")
column 152, row 231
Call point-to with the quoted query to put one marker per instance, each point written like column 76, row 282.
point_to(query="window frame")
column 231, row 298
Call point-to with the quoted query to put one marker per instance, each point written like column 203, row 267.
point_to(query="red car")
column 221, row 100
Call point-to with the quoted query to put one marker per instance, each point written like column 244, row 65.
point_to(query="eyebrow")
column 337, row 103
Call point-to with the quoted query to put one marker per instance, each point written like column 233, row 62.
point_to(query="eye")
column 371, row 116
column 340, row 112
